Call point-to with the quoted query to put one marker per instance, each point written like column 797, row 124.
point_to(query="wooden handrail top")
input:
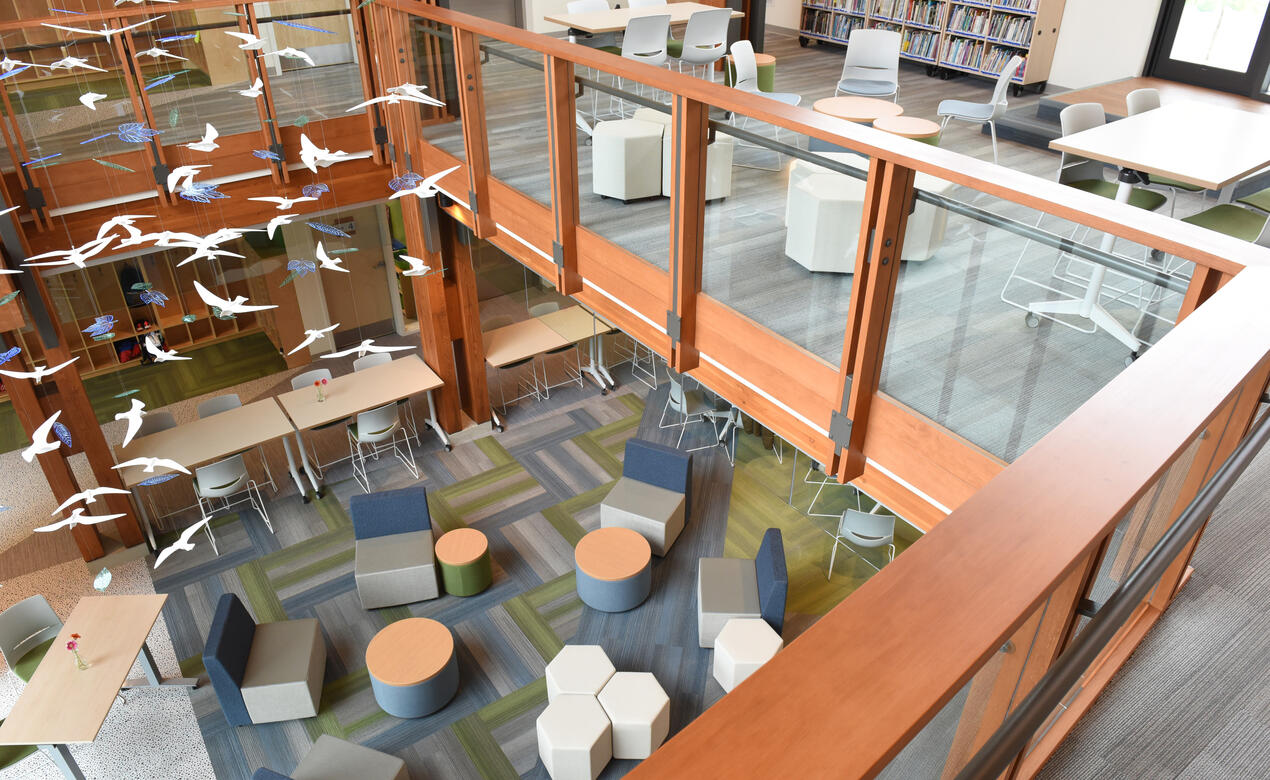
column 871, row 673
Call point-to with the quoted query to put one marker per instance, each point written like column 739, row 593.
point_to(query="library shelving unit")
column 950, row 36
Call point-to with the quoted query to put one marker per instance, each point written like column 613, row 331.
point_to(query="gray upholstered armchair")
column 393, row 561
column 742, row 588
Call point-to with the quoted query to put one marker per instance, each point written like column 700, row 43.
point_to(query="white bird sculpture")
column 204, row 246
column 90, row 98
column 126, row 221
column 283, row 203
column 40, row 443
column 10, row 210
column 278, row 221
column 39, row 372
column 425, row 188
column 393, row 98
column 417, row 266
column 249, row 41
column 75, row 255
column 326, row 261
column 208, row 142
column 183, row 543
column 159, row 53
column 312, row 156
column 227, row 307
column 89, row 497
column 133, row 416
column 290, row 53
column 255, row 90
column 67, row 63
column 311, row 336
column 184, row 176
column 361, row 349
column 160, row 356
column 151, row 464
column 406, row 89
column 106, row 31
column 7, row 64
column 77, row 517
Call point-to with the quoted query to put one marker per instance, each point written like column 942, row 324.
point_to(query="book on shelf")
column 968, row 20
column 962, row 52
column 1017, row 5
column 843, row 25
column 996, row 57
column 1015, row 29
column 927, row 12
column 890, row 9
column 920, row 43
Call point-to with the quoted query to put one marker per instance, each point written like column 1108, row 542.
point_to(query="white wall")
column 784, row 13
column 1102, row 41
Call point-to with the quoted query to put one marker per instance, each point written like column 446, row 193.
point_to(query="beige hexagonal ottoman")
column 639, row 709
column 575, row 738
column 578, row 669
column 741, row 648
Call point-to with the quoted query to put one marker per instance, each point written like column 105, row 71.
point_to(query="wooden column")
column 562, row 137
column 465, row 319
column 689, row 126
column 467, row 55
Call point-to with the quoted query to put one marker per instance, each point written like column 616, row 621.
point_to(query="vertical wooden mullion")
column 469, row 343
column 131, row 71
column 689, row 128
column 467, row 55
column 18, row 153
column 264, row 105
column 369, row 87
column 562, row 140
column 1204, row 282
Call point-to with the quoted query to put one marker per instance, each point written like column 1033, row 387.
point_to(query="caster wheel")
column 1128, row 361
column 1040, row 87
column 1031, row 320
column 803, row 41
column 499, row 428
column 604, row 392
column 449, row 448
column 306, row 498
column 1016, row 90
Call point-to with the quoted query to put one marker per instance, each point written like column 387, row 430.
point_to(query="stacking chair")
column 378, row 430
column 10, row 755
column 574, row 372
column 864, row 530
column 27, row 631
column 983, row 112
column 705, row 41
column 825, row 480
column 223, row 403
column 746, row 69
column 1148, row 99
column 605, row 41
column 222, row 480
column 530, row 391
column 300, row 381
column 1234, row 221
column 871, row 67
column 403, row 404
column 153, row 422
column 645, row 41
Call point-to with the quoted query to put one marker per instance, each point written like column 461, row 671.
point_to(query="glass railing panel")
column 963, row 349
column 435, row 70
column 781, row 231
column 322, row 30
column 624, row 195
column 516, row 117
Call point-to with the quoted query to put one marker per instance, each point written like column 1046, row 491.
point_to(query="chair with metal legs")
column 530, row 390
column 865, row 530
column 379, row 430
column 223, row 403
column 827, row 480
column 983, row 112
column 871, row 66
column 308, row 379
column 27, row 631
column 574, row 372
column 404, row 405
column 644, row 41
column 704, row 43
column 220, row 481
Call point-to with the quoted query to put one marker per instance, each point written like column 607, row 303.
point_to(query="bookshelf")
column 949, row 36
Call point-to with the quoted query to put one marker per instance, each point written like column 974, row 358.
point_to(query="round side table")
column 614, row 569
column 857, row 109
column 413, row 668
column 766, row 72
column 463, row 555
column 913, row 127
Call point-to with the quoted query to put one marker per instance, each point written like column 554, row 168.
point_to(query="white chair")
column 222, row 480
column 223, row 403
column 746, row 68
column 705, row 41
column 871, row 67
column 864, row 530
column 645, row 3
column 407, row 409
column 153, row 422
column 645, row 40
column 27, row 630
column 300, row 381
column 983, row 112
column 573, row 372
column 378, row 429
column 689, row 406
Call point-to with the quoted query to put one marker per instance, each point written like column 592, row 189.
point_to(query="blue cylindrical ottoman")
column 614, row 569
column 413, row 668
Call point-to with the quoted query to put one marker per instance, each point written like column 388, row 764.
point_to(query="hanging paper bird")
column 314, row 190
column 301, row 267
column 265, row 154
column 155, row 297
column 104, row 324
column 405, row 181
column 322, row 227
column 9, row 355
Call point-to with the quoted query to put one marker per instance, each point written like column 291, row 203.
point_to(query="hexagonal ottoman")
column 639, row 709
column 575, row 738
column 741, row 648
column 578, row 669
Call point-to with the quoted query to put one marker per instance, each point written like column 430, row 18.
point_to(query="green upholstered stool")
column 766, row 72
column 463, row 555
column 912, row 127
column 25, row 667
column 1143, row 199
column 1231, row 220
column 12, row 754
column 1258, row 200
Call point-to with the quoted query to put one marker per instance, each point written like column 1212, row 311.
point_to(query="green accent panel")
column 192, row 666
column 26, row 665
column 535, row 628
column 1231, row 220
column 497, row 453
column 563, row 609
column 393, row 614
column 329, row 509
column 396, row 225
column 565, row 525
column 340, row 538
column 632, row 402
column 443, row 517
column 550, row 591
column 483, row 750
column 596, row 452
column 513, row 705
column 317, row 567
column 766, row 76
column 264, row 601
column 1143, row 199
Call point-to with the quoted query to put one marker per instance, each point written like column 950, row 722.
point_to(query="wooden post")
column 689, row 126
column 467, row 55
column 562, row 137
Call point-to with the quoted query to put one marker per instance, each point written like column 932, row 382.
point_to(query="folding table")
column 576, row 324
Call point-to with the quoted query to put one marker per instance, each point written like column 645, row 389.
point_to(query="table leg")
column 592, row 369
column 1226, row 194
column 152, row 677
column 1088, row 306
column 295, row 475
column 600, row 362
column 304, row 464
column 61, row 757
column 140, row 504
column 435, row 424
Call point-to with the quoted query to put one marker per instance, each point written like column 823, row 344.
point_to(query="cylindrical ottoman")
column 463, row 555
column 766, row 72
column 614, row 569
column 913, row 127
column 413, row 668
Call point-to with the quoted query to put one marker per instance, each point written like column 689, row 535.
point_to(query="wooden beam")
column 468, row 344
column 467, row 56
column 689, row 124
column 562, row 140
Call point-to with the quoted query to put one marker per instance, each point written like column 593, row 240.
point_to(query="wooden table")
column 520, row 340
column 209, row 439
column 1204, row 145
column 614, row 20
column 576, row 324
column 63, row 705
column 857, row 109
column 369, row 388
column 908, row 126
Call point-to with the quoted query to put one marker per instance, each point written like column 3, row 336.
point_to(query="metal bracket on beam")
column 840, row 429
column 465, row 234
column 35, row 198
column 429, row 210
column 557, row 254
column 1088, row 608
column 381, row 135
column 161, row 175
column 392, row 152
column 471, row 201
column 673, row 325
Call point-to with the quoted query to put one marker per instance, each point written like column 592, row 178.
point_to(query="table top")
column 857, row 109
column 64, row 705
column 1204, row 145
column 520, row 340
column 614, row 20
column 460, row 546
column 760, row 59
column 907, row 126
column 207, row 439
column 409, row 651
column 361, row 390
column 575, row 323
column 612, row 553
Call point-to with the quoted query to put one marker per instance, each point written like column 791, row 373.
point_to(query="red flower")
column 72, row 645
column 74, row 636
column 316, row 383
column 323, row 381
